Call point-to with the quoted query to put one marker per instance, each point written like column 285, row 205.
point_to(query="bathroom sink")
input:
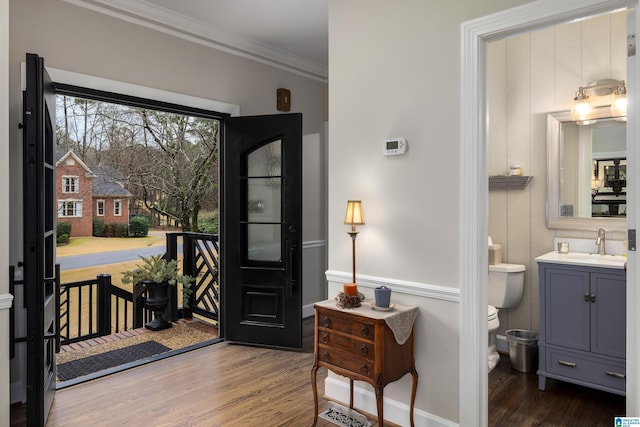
column 583, row 258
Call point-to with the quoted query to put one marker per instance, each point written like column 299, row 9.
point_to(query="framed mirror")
column 586, row 165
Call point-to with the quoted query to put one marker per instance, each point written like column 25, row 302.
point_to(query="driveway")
column 90, row 260
column 105, row 251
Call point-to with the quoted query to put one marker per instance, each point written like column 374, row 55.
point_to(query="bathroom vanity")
column 582, row 336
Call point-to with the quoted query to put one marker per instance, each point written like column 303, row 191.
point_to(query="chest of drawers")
column 361, row 348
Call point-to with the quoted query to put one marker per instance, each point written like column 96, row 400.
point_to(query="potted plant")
column 156, row 274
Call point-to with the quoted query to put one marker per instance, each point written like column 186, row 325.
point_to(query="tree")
column 174, row 164
column 169, row 161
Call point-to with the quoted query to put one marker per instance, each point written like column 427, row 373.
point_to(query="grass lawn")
column 92, row 245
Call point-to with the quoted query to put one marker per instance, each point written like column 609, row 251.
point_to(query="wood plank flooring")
column 232, row 385
column 514, row 400
column 220, row 385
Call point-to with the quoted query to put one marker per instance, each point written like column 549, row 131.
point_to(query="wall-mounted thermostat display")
column 395, row 146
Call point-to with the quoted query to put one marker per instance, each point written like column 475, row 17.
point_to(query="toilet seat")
column 507, row 268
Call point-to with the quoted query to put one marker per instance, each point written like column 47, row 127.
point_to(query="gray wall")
column 5, row 297
column 395, row 72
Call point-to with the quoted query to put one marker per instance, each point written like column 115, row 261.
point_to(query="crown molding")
column 142, row 13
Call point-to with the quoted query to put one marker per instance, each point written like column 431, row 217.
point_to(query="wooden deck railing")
column 96, row 307
column 200, row 259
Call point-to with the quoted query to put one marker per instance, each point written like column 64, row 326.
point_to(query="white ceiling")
column 290, row 34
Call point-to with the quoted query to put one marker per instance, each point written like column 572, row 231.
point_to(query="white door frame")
column 474, row 204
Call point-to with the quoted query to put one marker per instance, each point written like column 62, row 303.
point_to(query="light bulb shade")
column 582, row 108
column 619, row 106
column 354, row 213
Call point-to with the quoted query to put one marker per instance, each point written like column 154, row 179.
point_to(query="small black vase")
column 157, row 301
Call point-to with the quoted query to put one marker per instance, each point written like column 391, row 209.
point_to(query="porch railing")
column 200, row 259
column 96, row 307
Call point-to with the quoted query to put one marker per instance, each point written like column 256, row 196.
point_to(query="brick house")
column 84, row 193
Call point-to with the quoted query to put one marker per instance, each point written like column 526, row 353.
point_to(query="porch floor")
column 183, row 333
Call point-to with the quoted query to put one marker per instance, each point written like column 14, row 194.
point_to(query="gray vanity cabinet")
column 582, row 326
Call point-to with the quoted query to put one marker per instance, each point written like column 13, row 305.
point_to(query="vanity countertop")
column 585, row 259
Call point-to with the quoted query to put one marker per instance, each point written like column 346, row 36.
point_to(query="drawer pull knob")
column 569, row 364
column 325, row 321
column 326, row 356
column 364, row 369
column 364, row 331
column 324, row 338
column 364, row 350
column 615, row 374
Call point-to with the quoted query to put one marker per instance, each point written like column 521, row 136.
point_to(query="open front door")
column 39, row 239
column 261, row 234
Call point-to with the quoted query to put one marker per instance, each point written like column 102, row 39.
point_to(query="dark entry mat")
column 109, row 359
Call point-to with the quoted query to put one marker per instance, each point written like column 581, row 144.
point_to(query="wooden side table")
column 360, row 345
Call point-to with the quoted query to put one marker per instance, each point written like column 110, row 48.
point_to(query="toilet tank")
column 505, row 285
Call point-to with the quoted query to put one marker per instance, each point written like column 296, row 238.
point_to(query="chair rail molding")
column 5, row 301
column 400, row 286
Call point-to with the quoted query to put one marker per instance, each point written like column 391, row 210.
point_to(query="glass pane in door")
column 264, row 203
column 264, row 242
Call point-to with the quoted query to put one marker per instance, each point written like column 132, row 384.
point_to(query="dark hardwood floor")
column 235, row 385
column 514, row 400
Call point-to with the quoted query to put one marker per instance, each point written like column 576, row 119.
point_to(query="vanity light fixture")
column 582, row 110
column 619, row 103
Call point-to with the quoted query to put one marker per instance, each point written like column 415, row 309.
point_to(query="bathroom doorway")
column 476, row 79
column 528, row 76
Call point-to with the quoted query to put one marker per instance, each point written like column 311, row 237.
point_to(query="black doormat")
column 109, row 359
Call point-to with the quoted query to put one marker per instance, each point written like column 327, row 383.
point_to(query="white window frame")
column 117, row 207
column 98, row 210
column 73, row 180
column 77, row 208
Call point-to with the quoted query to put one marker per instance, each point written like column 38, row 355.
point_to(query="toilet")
column 504, row 290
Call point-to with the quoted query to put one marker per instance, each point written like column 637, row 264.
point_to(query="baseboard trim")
column 394, row 411
column 308, row 310
column 401, row 286
column 5, row 301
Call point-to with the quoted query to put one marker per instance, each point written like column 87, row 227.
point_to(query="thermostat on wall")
column 394, row 146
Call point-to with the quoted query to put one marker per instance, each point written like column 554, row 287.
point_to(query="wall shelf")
column 508, row 182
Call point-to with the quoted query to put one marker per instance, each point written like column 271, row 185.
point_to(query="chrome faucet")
column 600, row 241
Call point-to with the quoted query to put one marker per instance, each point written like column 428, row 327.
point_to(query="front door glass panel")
column 263, row 201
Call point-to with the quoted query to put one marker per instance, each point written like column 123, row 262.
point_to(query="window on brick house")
column 69, row 184
column 100, row 208
column 70, row 209
column 117, row 208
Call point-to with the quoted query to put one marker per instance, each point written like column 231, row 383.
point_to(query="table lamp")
column 353, row 217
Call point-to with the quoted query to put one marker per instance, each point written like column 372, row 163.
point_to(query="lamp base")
column 349, row 301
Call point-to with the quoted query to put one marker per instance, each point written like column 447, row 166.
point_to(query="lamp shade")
column 619, row 105
column 582, row 108
column 354, row 213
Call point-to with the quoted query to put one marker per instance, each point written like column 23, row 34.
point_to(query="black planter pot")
column 157, row 301
column 185, row 313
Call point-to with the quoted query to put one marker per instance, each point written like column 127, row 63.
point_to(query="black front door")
column 39, row 239
column 261, row 234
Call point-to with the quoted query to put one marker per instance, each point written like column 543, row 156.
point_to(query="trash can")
column 523, row 349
